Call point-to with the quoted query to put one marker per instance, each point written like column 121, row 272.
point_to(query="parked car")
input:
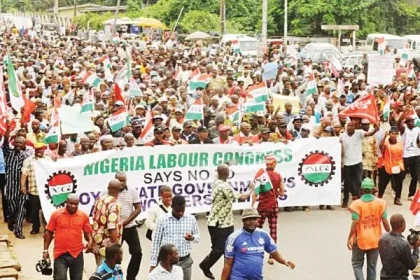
column 320, row 52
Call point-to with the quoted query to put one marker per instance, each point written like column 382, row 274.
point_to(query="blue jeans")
column 358, row 259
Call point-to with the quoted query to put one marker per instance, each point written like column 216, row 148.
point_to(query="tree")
column 133, row 6
column 199, row 21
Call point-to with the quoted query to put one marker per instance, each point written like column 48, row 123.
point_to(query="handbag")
column 149, row 232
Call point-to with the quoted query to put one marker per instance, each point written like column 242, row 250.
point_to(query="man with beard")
column 110, row 268
column 37, row 135
column 245, row 248
column 166, row 269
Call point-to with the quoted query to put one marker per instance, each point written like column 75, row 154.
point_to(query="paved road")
column 315, row 240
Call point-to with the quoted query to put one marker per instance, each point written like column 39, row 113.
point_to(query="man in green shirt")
column 220, row 220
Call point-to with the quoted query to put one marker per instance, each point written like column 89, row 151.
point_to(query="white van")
column 248, row 45
column 393, row 41
column 413, row 42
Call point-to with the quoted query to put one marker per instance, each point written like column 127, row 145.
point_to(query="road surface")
column 315, row 241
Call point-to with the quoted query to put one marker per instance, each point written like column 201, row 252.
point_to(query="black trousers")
column 73, row 265
column 34, row 207
column 385, row 178
column 411, row 165
column 3, row 200
column 131, row 237
column 352, row 180
column 218, row 238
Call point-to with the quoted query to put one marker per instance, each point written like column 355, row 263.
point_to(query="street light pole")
column 285, row 24
column 116, row 17
column 222, row 17
column 264, row 22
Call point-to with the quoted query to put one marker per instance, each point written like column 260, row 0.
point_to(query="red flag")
column 118, row 94
column 364, row 108
column 415, row 204
column 27, row 109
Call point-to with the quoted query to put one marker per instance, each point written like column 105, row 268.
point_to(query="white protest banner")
column 380, row 69
column 310, row 169
column 73, row 121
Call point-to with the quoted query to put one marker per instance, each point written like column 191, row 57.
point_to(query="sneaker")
column 398, row 202
column 410, row 198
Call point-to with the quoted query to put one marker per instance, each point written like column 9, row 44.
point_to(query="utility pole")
column 285, row 24
column 56, row 11
column 222, row 17
column 116, row 17
column 264, row 22
column 74, row 10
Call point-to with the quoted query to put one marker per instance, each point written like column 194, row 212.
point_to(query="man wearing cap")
column 411, row 151
column 158, row 137
column 29, row 191
column 203, row 136
column 176, row 136
column 368, row 213
column 297, row 124
column 223, row 137
column 244, row 252
column 187, row 133
column 268, row 206
column 220, row 220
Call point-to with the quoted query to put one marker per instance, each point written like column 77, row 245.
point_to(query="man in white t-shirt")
column 411, row 152
column 351, row 141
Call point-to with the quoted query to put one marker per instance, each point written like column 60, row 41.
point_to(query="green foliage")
column 133, row 7
column 199, row 21
column 95, row 21
column 305, row 17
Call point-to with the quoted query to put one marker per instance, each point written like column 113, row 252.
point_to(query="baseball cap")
column 119, row 103
column 187, row 124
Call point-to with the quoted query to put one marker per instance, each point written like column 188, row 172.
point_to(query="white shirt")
column 159, row 273
column 352, row 146
column 154, row 214
column 409, row 138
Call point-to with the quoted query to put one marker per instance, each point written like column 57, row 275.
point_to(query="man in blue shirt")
column 245, row 248
column 110, row 268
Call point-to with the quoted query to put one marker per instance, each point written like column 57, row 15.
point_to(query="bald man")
column 395, row 252
column 68, row 246
column 107, row 228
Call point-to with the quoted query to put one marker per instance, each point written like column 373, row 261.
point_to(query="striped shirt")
column 14, row 162
column 29, row 170
column 104, row 272
column 159, row 273
column 170, row 230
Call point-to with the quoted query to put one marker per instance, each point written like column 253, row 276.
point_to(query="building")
column 68, row 11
